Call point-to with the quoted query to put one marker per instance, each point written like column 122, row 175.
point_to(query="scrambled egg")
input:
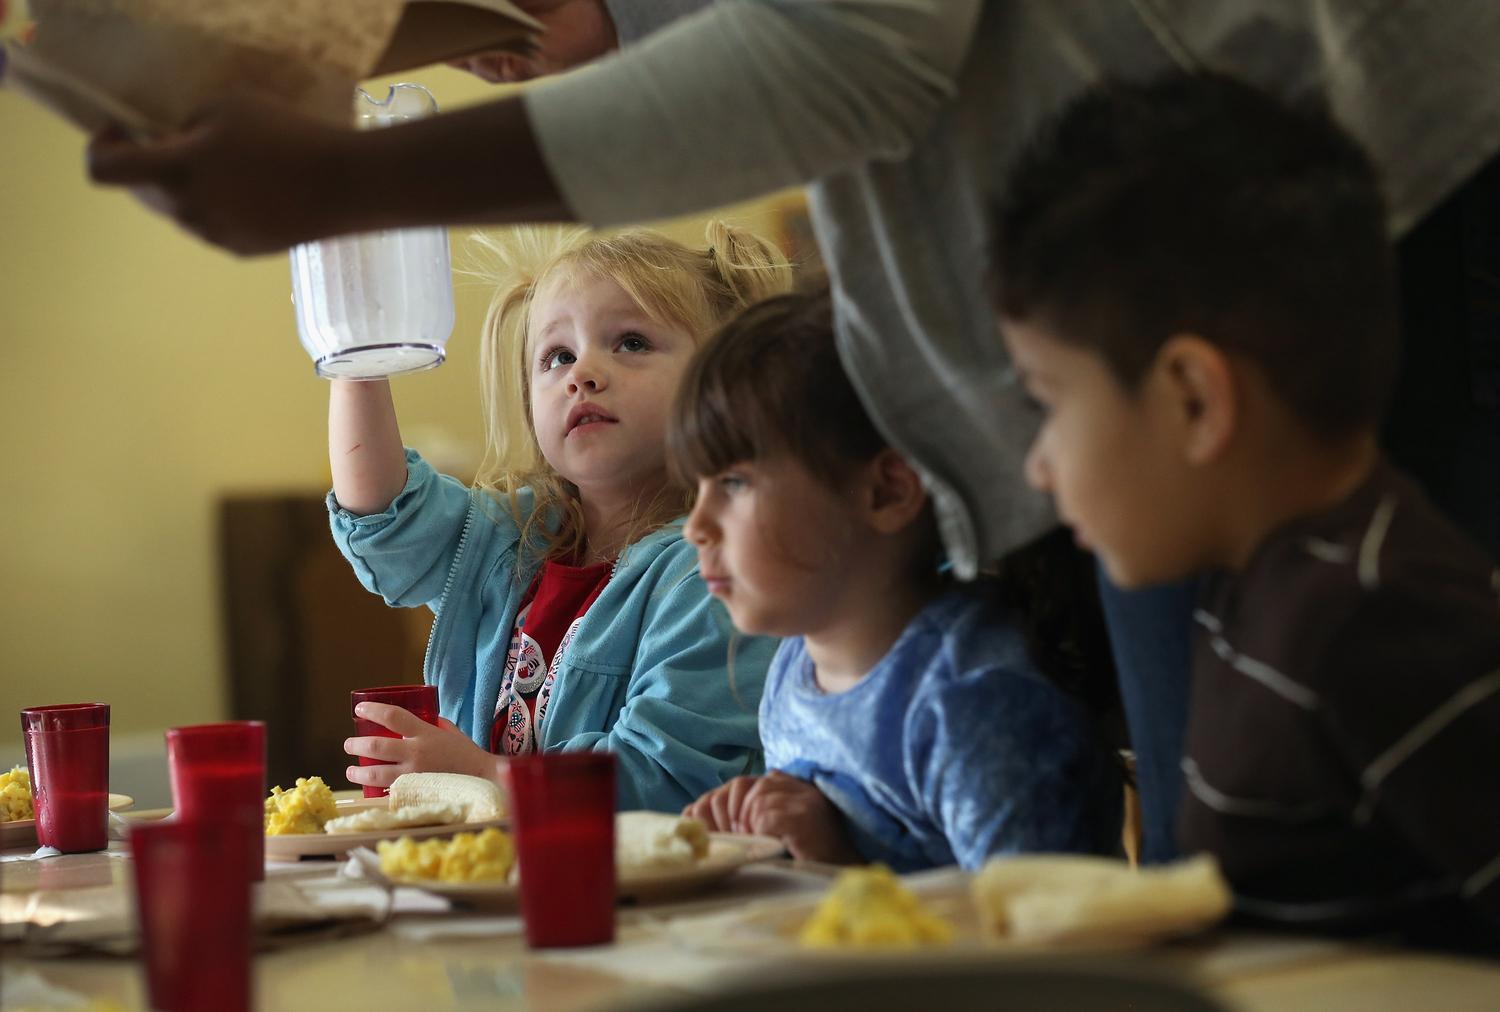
column 303, row 809
column 486, row 856
column 870, row 908
column 15, row 795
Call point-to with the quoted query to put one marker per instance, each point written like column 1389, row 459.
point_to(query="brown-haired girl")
column 904, row 718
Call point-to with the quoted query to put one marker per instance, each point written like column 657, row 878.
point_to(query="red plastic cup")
column 219, row 774
column 421, row 700
column 67, row 755
column 563, row 813
column 65, row 717
column 195, row 920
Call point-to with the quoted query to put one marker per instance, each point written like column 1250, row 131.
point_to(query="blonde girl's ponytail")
column 749, row 267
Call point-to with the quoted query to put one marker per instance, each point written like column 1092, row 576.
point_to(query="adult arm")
column 633, row 20
column 739, row 99
column 253, row 177
column 746, row 97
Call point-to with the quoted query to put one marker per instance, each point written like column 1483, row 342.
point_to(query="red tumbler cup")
column 421, row 700
column 219, row 774
column 195, row 919
column 563, row 813
column 67, row 754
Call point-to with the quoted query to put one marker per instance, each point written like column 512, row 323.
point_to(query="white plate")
column 727, row 853
column 290, row 847
column 20, row 832
column 770, row 928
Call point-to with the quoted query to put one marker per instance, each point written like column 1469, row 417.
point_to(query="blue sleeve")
column 689, row 722
column 405, row 552
column 1009, row 764
column 742, row 98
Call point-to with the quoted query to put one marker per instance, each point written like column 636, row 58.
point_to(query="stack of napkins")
column 152, row 65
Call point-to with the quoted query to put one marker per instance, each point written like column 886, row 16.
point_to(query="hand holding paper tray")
column 151, row 66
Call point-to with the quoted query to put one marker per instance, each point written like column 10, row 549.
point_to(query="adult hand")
column 254, row 177
column 577, row 31
column 422, row 748
column 800, row 816
column 250, row 176
column 720, row 807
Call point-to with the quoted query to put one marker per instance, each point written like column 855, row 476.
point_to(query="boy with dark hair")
column 1195, row 283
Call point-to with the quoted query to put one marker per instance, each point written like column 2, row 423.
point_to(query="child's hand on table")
column 800, row 816
column 422, row 748
column 720, row 807
column 788, row 808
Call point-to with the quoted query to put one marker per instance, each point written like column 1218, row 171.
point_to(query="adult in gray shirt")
column 901, row 116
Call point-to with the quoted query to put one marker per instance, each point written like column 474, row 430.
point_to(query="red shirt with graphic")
column 549, row 615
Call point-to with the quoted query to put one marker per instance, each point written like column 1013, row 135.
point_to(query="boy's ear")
column 896, row 494
column 1199, row 383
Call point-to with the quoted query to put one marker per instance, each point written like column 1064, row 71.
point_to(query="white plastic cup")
column 378, row 303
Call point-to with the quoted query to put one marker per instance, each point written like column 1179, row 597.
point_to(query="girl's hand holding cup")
column 421, row 747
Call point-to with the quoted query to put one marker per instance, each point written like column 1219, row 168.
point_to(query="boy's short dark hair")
column 1196, row 203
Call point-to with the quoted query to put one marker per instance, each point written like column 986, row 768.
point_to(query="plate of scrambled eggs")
column 308, row 821
column 1018, row 904
column 17, row 817
column 867, row 912
column 657, row 857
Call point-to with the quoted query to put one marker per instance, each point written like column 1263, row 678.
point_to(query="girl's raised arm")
column 364, row 445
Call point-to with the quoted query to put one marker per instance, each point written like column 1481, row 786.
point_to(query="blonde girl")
column 569, row 615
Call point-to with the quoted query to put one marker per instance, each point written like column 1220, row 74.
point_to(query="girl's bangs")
column 658, row 276
column 719, row 420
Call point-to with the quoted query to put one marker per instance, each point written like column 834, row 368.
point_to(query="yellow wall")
column 143, row 375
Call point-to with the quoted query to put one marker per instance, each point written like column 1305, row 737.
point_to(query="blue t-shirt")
column 953, row 747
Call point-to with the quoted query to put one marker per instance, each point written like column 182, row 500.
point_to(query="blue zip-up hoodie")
column 645, row 675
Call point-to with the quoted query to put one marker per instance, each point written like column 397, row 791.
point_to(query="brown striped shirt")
column 1343, row 751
